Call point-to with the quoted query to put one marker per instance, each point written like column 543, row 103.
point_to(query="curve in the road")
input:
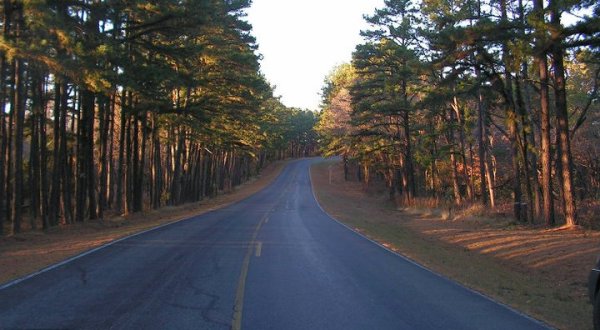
column 275, row 260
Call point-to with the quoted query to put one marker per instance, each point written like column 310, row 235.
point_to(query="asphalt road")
column 272, row 261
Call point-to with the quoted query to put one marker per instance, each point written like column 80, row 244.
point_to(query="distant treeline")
column 120, row 106
column 475, row 101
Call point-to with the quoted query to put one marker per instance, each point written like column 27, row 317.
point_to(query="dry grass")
column 31, row 251
column 539, row 271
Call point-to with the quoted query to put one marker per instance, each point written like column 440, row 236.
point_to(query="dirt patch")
column 538, row 271
column 29, row 252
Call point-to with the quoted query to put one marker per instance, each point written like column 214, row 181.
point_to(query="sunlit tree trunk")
column 66, row 159
column 481, row 133
column 489, row 176
column 157, row 176
column 453, row 162
column 461, row 139
column 524, row 146
column 43, row 156
column 562, row 117
column 408, row 166
column 177, row 177
column 121, row 168
column 135, row 185
column 104, row 106
column 54, row 211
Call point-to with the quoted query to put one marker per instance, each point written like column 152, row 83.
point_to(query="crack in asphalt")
column 205, row 311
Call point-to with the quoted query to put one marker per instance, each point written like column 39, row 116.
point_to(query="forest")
column 119, row 106
column 491, row 103
column 114, row 107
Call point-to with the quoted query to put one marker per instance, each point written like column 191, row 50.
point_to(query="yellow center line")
column 239, row 296
column 258, row 248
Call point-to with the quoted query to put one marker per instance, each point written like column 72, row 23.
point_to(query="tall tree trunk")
column 524, row 146
column 43, row 157
column 141, row 166
column 562, row 117
column 177, row 176
column 111, row 161
column 34, row 154
column 19, row 108
column 105, row 118
column 3, row 130
column 54, row 211
column 129, row 161
column 86, row 189
column 490, row 178
column 90, row 162
column 135, row 185
column 455, row 184
column 512, row 122
column 408, row 166
column 481, row 145
column 157, row 183
column 3, row 148
column 66, row 159
column 450, row 139
column 461, row 140
column 81, row 184
column 9, row 156
column 120, row 180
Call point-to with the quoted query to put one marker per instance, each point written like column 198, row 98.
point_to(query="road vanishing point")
column 275, row 260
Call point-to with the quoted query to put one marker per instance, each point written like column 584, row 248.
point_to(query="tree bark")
column 66, row 159
column 512, row 122
column 43, row 158
column 56, row 159
column 562, row 118
column 524, row 146
column 481, row 145
column 120, row 180
column 461, row 139
column 19, row 108
column 105, row 118
column 34, row 155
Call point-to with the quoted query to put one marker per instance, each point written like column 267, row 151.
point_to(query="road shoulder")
column 542, row 273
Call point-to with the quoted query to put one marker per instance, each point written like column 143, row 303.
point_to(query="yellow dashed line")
column 239, row 296
column 258, row 249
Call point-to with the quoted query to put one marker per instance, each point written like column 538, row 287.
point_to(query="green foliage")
column 166, row 94
column 435, row 80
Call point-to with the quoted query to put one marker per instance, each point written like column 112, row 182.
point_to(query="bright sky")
column 302, row 40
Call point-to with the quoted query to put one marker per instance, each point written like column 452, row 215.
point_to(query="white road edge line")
column 539, row 322
column 83, row 254
column 88, row 252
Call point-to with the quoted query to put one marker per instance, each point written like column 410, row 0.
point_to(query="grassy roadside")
column 25, row 253
column 540, row 272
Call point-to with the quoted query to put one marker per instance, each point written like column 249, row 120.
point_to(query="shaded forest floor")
column 542, row 272
column 31, row 251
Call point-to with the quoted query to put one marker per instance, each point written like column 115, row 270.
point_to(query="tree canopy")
column 120, row 106
column 459, row 100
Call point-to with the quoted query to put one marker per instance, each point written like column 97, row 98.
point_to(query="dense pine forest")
column 113, row 106
column 474, row 102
